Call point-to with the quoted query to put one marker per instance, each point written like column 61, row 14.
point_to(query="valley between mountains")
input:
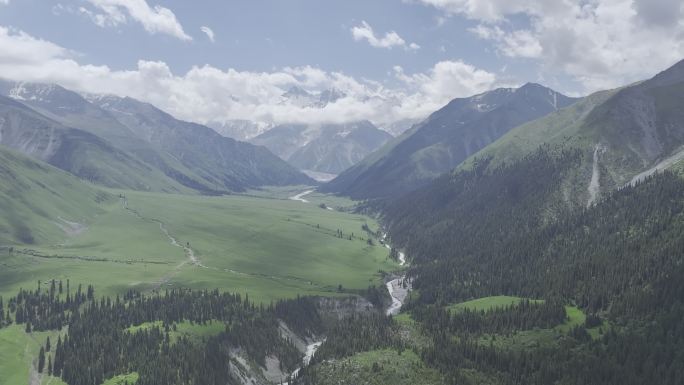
column 516, row 236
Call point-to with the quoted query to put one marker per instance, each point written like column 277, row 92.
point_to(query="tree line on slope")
column 101, row 341
column 505, row 231
column 526, row 315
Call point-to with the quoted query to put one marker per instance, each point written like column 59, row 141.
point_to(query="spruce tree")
column 41, row 360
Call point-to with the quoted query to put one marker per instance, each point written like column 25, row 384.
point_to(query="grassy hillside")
column 19, row 356
column 557, row 128
column 486, row 303
column 41, row 204
column 269, row 248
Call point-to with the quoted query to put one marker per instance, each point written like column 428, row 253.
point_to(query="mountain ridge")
column 188, row 155
column 624, row 133
column 444, row 140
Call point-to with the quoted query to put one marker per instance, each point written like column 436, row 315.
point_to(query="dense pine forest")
column 102, row 340
column 505, row 231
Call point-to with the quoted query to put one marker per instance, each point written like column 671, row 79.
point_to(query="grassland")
column 192, row 331
column 488, row 303
column 269, row 248
column 124, row 379
column 527, row 338
column 19, row 353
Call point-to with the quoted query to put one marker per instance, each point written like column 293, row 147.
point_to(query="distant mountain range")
column 624, row 135
column 121, row 142
column 245, row 130
column 241, row 129
column 559, row 164
column 328, row 148
column 444, row 140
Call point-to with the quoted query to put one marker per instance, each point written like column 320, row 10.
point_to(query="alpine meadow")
column 452, row 192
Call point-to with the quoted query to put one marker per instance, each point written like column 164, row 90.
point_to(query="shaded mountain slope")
column 624, row 135
column 40, row 203
column 444, row 140
column 79, row 152
column 188, row 156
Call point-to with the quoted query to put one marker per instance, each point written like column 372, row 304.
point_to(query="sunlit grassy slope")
column 265, row 247
column 19, row 353
column 36, row 199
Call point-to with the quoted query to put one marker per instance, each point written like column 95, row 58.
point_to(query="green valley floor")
column 267, row 247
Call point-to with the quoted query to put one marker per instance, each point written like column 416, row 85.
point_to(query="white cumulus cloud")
column 390, row 40
column 209, row 32
column 154, row 20
column 599, row 43
column 445, row 81
column 206, row 93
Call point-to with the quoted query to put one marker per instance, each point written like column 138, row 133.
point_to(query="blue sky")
column 262, row 35
column 394, row 59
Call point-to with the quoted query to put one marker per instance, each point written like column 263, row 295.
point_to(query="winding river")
column 308, row 355
column 300, row 196
column 398, row 289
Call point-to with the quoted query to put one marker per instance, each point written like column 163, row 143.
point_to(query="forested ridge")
column 103, row 341
column 505, row 231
